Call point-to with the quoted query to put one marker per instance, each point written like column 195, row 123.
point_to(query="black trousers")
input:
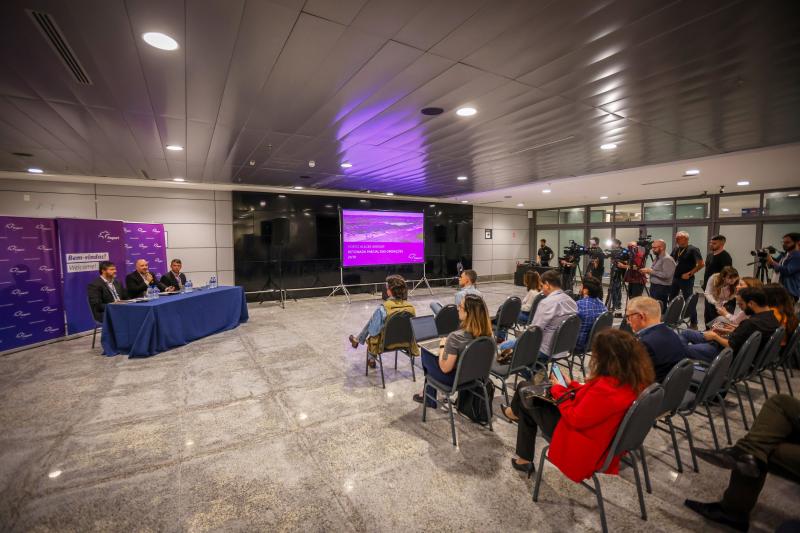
column 544, row 416
column 635, row 289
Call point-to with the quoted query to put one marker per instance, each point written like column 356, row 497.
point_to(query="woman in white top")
column 721, row 289
column 533, row 282
column 727, row 321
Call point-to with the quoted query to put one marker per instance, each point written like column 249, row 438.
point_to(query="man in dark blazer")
column 174, row 278
column 105, row 289
column 663, row 344
column 136, row 282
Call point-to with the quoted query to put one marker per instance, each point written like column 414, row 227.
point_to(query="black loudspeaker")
column 440, row 233
column 280, row 231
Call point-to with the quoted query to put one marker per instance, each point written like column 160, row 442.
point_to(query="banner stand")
column 341, row 286
column 424, row 280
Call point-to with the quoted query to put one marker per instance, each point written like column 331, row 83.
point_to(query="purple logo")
column 156, row 245
column 21, row 314
column 126, row 230
column 141, row 230
column 13, row 226
column 45, row 268
column 43, row 227
column 50, row 329
column 128, row 246
column 19, row 292
column 156, row 230
column 23, row 335
column 45, row 288
column 14, row 248
column 44, row 248
column 142, row 245
column 48, row 309
column 106, row 236
column 18, row 270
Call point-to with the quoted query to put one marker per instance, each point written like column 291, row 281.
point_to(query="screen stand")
column 341, row 287
column 420, row 282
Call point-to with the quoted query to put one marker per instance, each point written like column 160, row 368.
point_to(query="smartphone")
column 556, row 371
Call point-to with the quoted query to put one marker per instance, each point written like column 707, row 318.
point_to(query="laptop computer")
column 425, row 332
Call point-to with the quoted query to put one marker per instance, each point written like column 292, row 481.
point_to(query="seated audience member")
column 442, row 367
column 466, row 283
column 772, row 442
column 137, row 282
column 590, row 306
column 726, row 320
column 533, row 282
column 705, row 345
column 583, row 425
column 782, row 305
column 105, row 289
column 720, row 289
column 663, row 344
column 372, row 333
column 174, row 278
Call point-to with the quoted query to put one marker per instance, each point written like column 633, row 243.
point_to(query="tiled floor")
column 273, row 426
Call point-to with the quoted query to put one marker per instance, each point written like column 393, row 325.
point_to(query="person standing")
column 661, row 273
column 544, row 253
column 717, row 259
column 104, row 290
column 688, row 261
column 787, row 266
column 634, row 276
column 615, row 275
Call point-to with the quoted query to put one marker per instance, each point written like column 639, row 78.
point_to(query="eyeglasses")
column 629, row 315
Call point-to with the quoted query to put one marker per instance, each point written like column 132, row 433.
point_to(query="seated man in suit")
column 104, row 289
column 174, row 278
column 137, row 282
column 664, row 345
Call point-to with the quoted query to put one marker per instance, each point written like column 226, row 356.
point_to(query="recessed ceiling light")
column 546, row 191
column 466, row 111
column 178, row 179
column 742, row 183
column 363, row 201
column 464, row 201
column 691, row 172
column 389, row 194
column 297, row 187
column 175, row 147
column 346, row 165
column 432, row 205
column 34, row 170
column 160, row 40
column 725, row 209
column 608, row 146
column 604, row 197
column 262, row 203
column 281, row 196
column 794, row 195
column 462, row 178
column 520, row 205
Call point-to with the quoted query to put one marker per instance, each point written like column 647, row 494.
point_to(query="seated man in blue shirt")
column 590, row 306
column 664, row 345
column 466, row 283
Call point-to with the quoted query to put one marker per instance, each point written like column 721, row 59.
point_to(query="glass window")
column 566, row 235
column 571, row 216
column 627, row 235
column 662, row 232
column 628, row 213
column 547, row 216
column 601, row 213
column 772, row 234
column 782, row 203
column 695, row 208
column 740, row 205
column 551, row 235
column 658, row 211
column 740, row 240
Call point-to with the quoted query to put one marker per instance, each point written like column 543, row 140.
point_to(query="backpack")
column 473, row 406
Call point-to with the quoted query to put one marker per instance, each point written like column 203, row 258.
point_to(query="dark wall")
column 310, row 256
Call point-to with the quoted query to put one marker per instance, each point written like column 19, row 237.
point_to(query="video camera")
column 762, row 253
column 575, row 250
column 646, row 242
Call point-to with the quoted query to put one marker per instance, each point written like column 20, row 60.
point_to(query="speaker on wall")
column 280, row 231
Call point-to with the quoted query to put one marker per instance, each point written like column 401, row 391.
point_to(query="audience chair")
column 686, row 312
column 397, row 336
column 672, row 316
column 709, row 391
column 603, row 321
column 675, row 385
column 526, row 352
column 534, row 305
column 767, row 358
column 624, row 326
column 472, row 373
column 785, row 359
column 740, row 370
column 97, row 325
column 447, row 320
column 507, row 315
column 630, row 437
column 563, row 343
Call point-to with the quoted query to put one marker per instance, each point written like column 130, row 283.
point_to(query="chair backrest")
column 534, row 306
column 508, row 313
column 672, row 316
column 604, row 321
column 566, row 335
column 715, row 377
column 526, row 349
column 636, row 424
column 475, row 361
column 398, row 330
column 740, row 367
column 447, row 320
column 690, row 304
column 624, row 326
column 771, row 350
column 91, row 312
column 791, row 346
column 676, row 384
column 424, row 328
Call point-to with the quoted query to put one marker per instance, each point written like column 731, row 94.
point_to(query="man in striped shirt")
column 590, row 306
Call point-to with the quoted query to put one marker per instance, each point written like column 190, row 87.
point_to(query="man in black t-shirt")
column 688, row 261
column 545, row 253
column 595, row 261
column 718, row 259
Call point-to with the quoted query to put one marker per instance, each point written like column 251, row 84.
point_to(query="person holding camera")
column 616, row 273
column 688, row 262
column 661, row 273
column 634, row 277
column 787, row 266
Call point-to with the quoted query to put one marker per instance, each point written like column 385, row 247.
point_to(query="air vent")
column 693, row 178
column 53, row 34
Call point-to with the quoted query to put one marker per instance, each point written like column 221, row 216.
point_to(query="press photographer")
column 787, row 266
column 569, row 262
column 615, row 255
column 595, row 264
column 637, row 258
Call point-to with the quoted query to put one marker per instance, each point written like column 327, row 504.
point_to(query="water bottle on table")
column 156, row 293
column 212, row 283
column 188, row 285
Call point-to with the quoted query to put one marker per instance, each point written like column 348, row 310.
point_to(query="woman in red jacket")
column 583, row 424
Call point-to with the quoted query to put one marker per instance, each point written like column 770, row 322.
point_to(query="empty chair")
column 604, row 321
column 563, row 343
column 398, row 336
column 740, row 370
column 507, row 315
column 472, row 373
column 524, row 356
column 766, row 358
column 534, row 305
column 686, row 312
column 672, row 316
column 447, row 320
column 675, row 385
column 630, row 436
column 785, row 359
column 97, row 324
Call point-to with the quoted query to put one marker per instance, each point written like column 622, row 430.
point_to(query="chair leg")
column 639, row 491
column 504, row 389
column 750, row 398
column 380, row 364
column 645, row 471
column 788, row 384
column 763, row 384
column 425, row 399
column 674, row 436
column 735, row 388
column 713, row 429
column 452, row 420
column 600, row 507
column 488, row 406
column 413, row 373
column 775, row 379
column 539, row 474
column 688, row 429
column 94, row 336
column 725, row 418
column 395, row 359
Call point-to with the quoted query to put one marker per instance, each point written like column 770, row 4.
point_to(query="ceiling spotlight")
column 54, row 474
column 297, row 187
column 312, row 163
column 160, row 40
column 389, row 194
column 742, row 183
column 281, row 196
column 179, row 180
column 464, row 201
column 520, row 205
column 608, row 146
column 691, row 172
column 462, row 178
column 175, row 147
column 546, row 191
column 794, row 195
column 34, row 170
column 432, row 205
column 604, row 197
column 346, row 165
column 725, row 209
column 466, row 111
column 262, row 203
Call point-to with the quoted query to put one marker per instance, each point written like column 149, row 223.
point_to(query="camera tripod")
column 762, row 272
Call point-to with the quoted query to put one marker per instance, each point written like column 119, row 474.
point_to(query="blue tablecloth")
column 141, row 329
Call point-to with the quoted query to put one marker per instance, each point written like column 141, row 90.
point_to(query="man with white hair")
column 664, row 346
column 688, row 261
column 661, row 273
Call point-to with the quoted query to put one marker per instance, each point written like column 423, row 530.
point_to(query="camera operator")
column 616, row 254
column 544, row 253
column 568, row 263
column 688, row 261
column 634, row 277
column 661, row 273
column 787, row 266
column 595, row 263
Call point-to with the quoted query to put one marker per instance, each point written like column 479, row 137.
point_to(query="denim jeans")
column 436, row 307
column 430, row 364
column 660, row 293
column 697, row 347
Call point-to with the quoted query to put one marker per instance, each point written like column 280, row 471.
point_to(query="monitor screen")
column 382, row 238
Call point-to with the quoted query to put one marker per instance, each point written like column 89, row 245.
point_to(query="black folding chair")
column 675, row 385
column 472, row 373
column 672, row 316
column 563, row 343
column 398, row 337
column 630, row 436
column 519, row 327
column 507, row 315
column 686, row 312
column 603, row 321
column 526, row 352
column 766, row 358
column 447, row 320
column 785, row 359
column 97, row 325
column 740, row 370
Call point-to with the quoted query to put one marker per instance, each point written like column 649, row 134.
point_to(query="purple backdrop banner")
column 30, row 282
column 84, row 243
column 145, row 241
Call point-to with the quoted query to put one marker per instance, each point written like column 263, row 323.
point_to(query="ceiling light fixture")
column 520, row 205
column 175, row 147
column 262, row 203
column 466, row 111
column 160, row 40
column 432, row 205
column 34, row 170
column 179, row 180
column 794, row 195
column 281, row 196
column 328, row 206
column 363, row 201
column 546, row 191
column 297, row 187
column 346, row 165
column 742, row 183
column 604, row 197
column 725, row 209
column 54, row 474
column 389, row 194
column 464, row 201
column 691, row 172
column 608, row 146
column 462, row 178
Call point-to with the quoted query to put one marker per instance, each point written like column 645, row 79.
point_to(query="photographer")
column 616, row 254
column 787, row 266
column 661, row 273
column 544, row 253
column 634, row 276
column 568, row 263
column 595, row 264
column 689, row 261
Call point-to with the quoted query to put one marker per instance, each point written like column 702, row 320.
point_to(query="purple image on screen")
column 382, row 238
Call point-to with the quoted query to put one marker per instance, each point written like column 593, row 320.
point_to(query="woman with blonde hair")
column 475, row 323
column 727, row 321
column 720, row 290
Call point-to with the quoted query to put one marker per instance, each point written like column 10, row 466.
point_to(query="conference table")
column 145, row 328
